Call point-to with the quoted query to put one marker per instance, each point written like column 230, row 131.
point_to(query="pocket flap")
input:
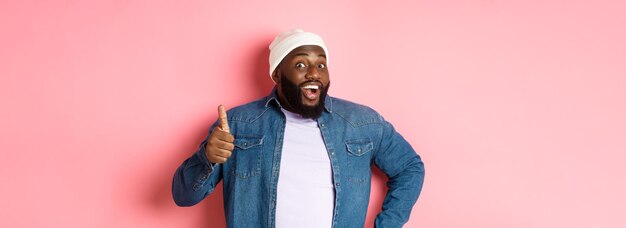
column 248, row 141
column 359, row 147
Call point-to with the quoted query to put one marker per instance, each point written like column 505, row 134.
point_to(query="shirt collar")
column 273, row 98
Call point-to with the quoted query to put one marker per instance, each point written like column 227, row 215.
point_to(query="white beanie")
column 289, row 40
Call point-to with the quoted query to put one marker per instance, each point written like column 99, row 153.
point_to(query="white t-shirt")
column 305, row 193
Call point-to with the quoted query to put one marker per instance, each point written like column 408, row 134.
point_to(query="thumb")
column 223, row 118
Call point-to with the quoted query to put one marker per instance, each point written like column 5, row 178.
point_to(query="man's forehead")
column 307, row 50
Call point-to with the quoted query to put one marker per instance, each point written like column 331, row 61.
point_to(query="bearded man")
column 298, row 157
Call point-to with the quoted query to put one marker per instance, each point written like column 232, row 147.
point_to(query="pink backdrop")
column 517, row 107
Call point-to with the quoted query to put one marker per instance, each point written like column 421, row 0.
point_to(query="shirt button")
column 332, row 153
column 359, row 150
column 337, row 184
column 323, row 125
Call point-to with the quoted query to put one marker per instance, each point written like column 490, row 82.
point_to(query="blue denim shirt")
column 355, row 137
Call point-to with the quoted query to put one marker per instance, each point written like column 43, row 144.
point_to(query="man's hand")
column 220, row 145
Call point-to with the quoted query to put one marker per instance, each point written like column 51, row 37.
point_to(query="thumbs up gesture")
column 220, row 145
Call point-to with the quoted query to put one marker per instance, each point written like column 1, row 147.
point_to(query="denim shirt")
column 355, row 136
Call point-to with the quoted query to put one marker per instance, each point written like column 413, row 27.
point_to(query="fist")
column 220, row 145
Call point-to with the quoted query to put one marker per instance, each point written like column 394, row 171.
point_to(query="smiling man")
column 300, row 158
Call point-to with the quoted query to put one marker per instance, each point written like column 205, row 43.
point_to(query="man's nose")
column 313, row 73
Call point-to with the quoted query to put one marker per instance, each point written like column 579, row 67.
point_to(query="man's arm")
column 405, row 169
column 196, row 177
column 199, row 174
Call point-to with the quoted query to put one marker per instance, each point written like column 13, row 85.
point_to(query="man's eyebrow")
column 305, row 54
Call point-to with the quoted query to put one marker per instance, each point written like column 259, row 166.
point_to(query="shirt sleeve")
column 196, row 177
column 405, row 170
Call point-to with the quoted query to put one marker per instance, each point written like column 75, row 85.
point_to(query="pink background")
column 518, row 108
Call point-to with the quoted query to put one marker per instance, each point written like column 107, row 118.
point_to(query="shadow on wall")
column 260, row 73
column 213, row 205
column 160, row 200
column 377, row 195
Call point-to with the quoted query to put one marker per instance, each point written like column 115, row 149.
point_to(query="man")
column 300, row 158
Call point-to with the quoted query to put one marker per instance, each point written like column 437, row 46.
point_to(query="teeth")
column 311, row 87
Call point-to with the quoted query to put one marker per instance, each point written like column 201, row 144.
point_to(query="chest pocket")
column 247, row 156
column 359, row 147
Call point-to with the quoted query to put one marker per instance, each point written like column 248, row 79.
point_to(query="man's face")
column 303, row 81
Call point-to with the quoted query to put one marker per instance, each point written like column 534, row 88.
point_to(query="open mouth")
column 311, row 90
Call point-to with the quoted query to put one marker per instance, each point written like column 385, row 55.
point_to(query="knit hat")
column 289, row 40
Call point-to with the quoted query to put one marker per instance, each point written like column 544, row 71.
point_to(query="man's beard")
column 293, row 94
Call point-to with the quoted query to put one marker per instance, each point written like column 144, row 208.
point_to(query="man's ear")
column 275, row 76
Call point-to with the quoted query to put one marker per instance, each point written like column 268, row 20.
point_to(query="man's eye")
column 321, row 66
column 300, row 65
